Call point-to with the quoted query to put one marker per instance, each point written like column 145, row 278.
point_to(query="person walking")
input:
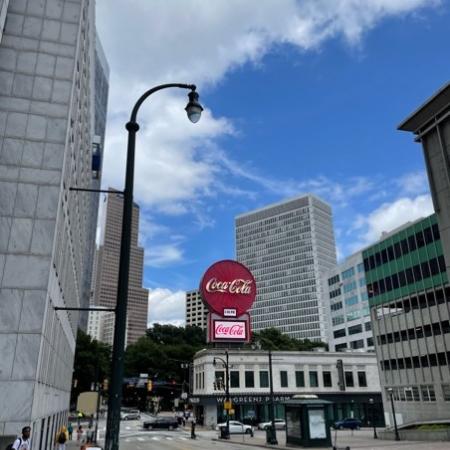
column 61, row 439
column 70, row 430
column 79, row 433
column 23, row 442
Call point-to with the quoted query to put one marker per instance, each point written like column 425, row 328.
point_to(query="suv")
column 131, row 414
column 349, row 423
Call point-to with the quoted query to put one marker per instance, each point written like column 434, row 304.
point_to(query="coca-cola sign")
column 228, row 285
column 233, row 330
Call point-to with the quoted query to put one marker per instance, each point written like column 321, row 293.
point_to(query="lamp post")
column 372, row 407
column 225, row 362
column 193, row 110
column 391, row 392
column 272, row 434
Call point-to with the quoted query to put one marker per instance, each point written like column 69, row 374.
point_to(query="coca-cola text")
column 238, row 286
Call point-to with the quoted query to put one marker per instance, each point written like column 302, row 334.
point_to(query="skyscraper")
column 288, row 246
column 347, row 304
column 107, row 266
column 409, row 299
column 46, row 230
column 196, row 311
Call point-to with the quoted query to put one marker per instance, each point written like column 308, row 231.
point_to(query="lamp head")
column 390, row 390
column 193, row 108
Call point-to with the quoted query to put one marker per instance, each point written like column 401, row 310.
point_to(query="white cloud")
column 166, row 307
column 390, row 216
column 196, row 41
column 414, row 183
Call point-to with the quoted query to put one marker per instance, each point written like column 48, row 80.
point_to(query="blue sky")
column 299, row 96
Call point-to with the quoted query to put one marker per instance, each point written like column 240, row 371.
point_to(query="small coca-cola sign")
column 229, row 330
column 228, row 286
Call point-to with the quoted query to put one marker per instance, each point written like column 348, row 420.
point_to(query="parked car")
column 236, row 427
column 132, row 414
column 280, row 424
column 349, row 423
column 161, row 422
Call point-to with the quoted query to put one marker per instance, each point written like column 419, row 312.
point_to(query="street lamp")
column 372, row 407
column 193, row 110
column 391, row 391
column 225, row 362
column 272, row 433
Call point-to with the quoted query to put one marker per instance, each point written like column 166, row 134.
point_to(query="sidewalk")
column 359, row 440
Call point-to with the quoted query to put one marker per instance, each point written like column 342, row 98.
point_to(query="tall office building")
column 409, row 297
column 107, row 268
column 46, row 230
column 347, row 304
column 196, row 311
column 288, row 246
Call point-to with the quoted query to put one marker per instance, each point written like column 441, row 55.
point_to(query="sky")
column 300, row 96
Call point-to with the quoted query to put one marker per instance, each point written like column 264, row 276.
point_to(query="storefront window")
column 234, row 378
column 263, row 378
column 249, row 379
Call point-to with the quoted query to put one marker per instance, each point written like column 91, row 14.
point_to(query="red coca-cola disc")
column 228, row 286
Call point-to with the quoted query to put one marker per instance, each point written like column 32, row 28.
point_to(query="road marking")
column 141, row 439
column 169, row 438
column 127, row 428
column 155, row 438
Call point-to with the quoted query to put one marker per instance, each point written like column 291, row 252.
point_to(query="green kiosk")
column 307, row 421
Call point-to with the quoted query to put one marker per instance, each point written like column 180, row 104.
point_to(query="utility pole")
column 272, row 434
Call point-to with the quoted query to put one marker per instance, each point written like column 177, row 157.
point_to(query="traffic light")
column 105, row 384
column 149, row 385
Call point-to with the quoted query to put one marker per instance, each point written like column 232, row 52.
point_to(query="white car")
column 280, row 424
column 236, row 427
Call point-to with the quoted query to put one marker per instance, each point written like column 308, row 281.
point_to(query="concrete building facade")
column 349, row 380
column 288, row 246
column 347, row 302
column 196, row 311
column 107, row 268
column 46, row 230
column 409, row 299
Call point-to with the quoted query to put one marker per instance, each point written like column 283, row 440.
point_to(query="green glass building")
column 409, row 298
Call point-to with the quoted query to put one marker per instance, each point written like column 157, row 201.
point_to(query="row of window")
column 313, row 376
column 354, row 345
column 412, row 393
column 431, row 360
column 355, row 329
column 403, row 247
column 422, row 301
column 434, row 329
column 408, row 276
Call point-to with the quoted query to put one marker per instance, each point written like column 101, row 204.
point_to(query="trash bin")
column 223, row 433
column 270, row 436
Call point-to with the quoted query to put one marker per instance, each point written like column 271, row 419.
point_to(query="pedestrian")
column 89, row 434
column 22, row 442
column 91, row 420
column 70, row 430
column 61, row 439
column 79, row 433
column 193, row 422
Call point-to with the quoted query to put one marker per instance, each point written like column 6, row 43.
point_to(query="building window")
column 340, row 347
column 299, row 378
column 427, row 392
column 362, row 380
column 446, row 392
column 234, row 379
column 283, row 378
column 355, row 329
column 349, row 379
column 263, row 379
column 357, row 344
column 327, row 379
column 339, row 333
column 313, row 379
column 249, row 379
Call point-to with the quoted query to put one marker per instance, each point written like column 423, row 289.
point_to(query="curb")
column 251, row 444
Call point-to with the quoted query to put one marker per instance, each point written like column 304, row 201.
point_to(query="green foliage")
column 433, row 426
column 273, row 339
column 161, row 352
column 91, row 358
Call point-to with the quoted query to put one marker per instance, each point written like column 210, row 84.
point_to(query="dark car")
column 161, row 422
column 349, row 423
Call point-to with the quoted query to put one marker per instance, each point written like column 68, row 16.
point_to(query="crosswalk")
column 155, row 438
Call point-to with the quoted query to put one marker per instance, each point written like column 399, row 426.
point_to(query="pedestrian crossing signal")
column 149, row 385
